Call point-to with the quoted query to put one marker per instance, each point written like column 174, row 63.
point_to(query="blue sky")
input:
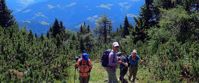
column 41, row 13
column 18, row 5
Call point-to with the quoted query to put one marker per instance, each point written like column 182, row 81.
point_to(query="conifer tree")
column 126, row 28
column 88, row 29
column 81, row 45
column 103, row 29
column 6, row 19
column 30, row 36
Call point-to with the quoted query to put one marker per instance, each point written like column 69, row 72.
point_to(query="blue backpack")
column 105, row 58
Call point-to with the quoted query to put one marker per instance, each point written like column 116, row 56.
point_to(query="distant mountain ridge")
column 39, row 16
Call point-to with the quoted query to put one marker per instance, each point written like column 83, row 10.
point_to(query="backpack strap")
column 114, row 56
column 87, row 62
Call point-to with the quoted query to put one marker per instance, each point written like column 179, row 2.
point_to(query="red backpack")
column 84, row 68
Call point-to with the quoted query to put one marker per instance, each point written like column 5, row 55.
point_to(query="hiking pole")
column 76, row 59
column 75, row 75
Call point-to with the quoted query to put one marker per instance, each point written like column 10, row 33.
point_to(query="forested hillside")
column 166, row 35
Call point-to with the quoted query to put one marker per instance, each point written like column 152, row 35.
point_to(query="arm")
column 77, row 63
column 139, row 60
column 90, row 64
column 125, row 63
column 111, row 58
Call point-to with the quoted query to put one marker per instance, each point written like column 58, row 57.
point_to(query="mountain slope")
column 39, row 16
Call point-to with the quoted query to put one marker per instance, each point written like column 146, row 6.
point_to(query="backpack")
column 105, row 58
column 84, row 68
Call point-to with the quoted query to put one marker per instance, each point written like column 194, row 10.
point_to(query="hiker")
column 133, row 65
column 123, row 61
column 112, row 63
column 84, row 66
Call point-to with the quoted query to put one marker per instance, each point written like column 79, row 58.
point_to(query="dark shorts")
column 123, row 72
column 133, row 71
column 84, row 80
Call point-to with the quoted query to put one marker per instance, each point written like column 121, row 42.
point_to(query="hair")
column 134, row 51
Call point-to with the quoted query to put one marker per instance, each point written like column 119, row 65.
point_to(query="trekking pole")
column 75, row 75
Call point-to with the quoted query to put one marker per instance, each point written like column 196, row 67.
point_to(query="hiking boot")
column 106, row 81
column 133, row 81
column 130, row 79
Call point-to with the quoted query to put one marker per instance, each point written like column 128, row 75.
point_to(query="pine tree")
column 73, row 37
column 88, row 29
column 81, row 29
column 103, row 29
column 42, row 37
column 30, row 36
column 139, row 33
column 84, row 29
column 36, row 35
column 6, row 19
column 150, row 14
column 149, row 17
column 62, row 32
column 126, row 28
column 86, row 36
column 167, row 4
column 81, row 45
column 57, row 31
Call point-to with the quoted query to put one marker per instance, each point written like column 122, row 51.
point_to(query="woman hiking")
column 84, row 66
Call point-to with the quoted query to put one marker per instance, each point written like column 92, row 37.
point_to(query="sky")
column 41, row 13
column 18, row 5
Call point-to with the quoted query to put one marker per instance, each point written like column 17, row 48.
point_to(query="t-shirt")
column 112, row 59
column 134, row 62
column 125, row 60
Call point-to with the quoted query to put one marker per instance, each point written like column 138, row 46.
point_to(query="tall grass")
column 99, row 75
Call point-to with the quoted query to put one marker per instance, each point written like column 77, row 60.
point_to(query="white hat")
column 115, row 44
column 134, row 51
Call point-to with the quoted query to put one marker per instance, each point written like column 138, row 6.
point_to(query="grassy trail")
column 99, row 75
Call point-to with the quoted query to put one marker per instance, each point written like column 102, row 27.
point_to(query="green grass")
column 99, row 75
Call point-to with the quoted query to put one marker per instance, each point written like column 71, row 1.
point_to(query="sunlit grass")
column 99, row 75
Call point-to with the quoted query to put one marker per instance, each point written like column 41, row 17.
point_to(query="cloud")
column 78, row 25
column 26, row 2
column 125, row 5
column 93, row 18
column 26, row 11
column 71, row 4
column 44, row 23
column 50, row 6
column 105, row 6
column 22, row 4
column 132, row 15
column 40, row 14
column 27, row 21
